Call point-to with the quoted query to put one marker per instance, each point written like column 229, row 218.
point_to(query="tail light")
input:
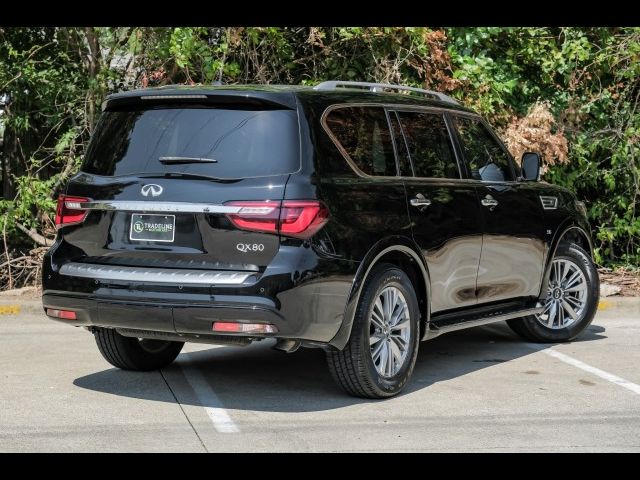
column 256, row 216
column 293, row 218
column 68, row 211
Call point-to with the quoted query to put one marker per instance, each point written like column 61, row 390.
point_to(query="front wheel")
column 138, row 354
column 381, row 353
column 571, row 301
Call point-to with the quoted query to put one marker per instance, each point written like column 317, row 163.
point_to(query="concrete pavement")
column 477, row 390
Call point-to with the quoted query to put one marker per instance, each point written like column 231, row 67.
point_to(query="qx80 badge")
column 250, row 247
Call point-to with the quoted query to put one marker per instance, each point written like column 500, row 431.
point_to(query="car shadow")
column 258, row 378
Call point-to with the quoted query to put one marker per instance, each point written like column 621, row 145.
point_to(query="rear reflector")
column 64, row 314
column 293, row 218
column 68, row 211
column 235, row 327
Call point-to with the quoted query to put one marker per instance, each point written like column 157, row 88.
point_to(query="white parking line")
column 635, row 388
column 222, row 422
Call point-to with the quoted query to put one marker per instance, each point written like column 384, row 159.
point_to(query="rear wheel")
column 381, row 353
column 571, row 301
column 138, row 354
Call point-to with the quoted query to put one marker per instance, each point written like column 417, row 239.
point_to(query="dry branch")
column 35, row 236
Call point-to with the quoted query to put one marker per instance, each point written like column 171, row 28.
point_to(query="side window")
column 485, row 157
column 363, row 132
column 429, row 145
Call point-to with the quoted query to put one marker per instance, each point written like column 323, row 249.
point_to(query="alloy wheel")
column 389, row 331
column 566, row 296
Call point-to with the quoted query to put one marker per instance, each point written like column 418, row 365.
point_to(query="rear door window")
column 363, row 134
column 429, row 145
column 235, row 143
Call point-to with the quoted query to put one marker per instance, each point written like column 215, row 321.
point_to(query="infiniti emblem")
column 151, row 189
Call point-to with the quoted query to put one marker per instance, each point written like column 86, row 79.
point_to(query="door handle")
column 420, row 201
column 489, row 201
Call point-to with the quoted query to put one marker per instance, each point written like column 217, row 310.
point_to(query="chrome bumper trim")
column 154, row 275
column 164, row 207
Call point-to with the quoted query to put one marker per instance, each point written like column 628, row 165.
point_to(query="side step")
column 451, row 322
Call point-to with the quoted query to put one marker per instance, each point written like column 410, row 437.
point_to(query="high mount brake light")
column 293, row 218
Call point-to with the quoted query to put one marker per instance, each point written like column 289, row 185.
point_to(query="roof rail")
column 381, row 87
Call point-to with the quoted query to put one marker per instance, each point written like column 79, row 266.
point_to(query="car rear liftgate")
column 171, row 187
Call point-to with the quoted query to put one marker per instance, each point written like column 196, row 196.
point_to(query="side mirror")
column 531, row 164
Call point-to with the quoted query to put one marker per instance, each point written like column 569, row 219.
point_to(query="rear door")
column 161, row 182
column 514, row 241
column 372, row 203
column 445, row 215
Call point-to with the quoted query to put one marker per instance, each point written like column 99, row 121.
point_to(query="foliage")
column 537, row 131
column 571, row 93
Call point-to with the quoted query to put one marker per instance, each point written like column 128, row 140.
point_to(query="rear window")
column 234, row 143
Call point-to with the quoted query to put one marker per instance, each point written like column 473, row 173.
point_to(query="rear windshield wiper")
column 194, row 176
column 184, row 160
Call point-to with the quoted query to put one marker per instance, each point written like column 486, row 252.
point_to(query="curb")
column 631, row 304
column 14, row 305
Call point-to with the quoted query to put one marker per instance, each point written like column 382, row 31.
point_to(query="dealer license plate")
column 152, row 228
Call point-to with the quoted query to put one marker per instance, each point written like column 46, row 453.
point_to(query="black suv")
column 354, row 217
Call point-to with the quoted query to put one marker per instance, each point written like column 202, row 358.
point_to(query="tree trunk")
column 9, row 161
column 93, row 67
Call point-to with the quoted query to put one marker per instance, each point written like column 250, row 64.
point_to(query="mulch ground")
column 627, row 279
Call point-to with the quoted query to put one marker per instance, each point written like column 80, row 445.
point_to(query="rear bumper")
column 306, row 305
column 173, row 317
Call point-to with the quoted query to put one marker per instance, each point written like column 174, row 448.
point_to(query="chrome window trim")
column 395, row 107
column 163, row 207
column 154, row 275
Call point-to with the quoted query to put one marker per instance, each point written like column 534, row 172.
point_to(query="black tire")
column 130, row 353
column 353, row 367
column 532, row 330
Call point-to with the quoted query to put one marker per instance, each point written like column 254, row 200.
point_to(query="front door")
column 445, row 213
column 514, row 239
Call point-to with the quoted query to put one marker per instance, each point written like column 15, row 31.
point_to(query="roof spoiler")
column 228, row 98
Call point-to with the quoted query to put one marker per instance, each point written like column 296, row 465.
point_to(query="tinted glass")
column 244, row 143
column 485, row 157
column 429, row 145
column 364, row 134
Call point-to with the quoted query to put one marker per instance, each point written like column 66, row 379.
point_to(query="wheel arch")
column 405, row 254
column 568, row 233
column 575, row 234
